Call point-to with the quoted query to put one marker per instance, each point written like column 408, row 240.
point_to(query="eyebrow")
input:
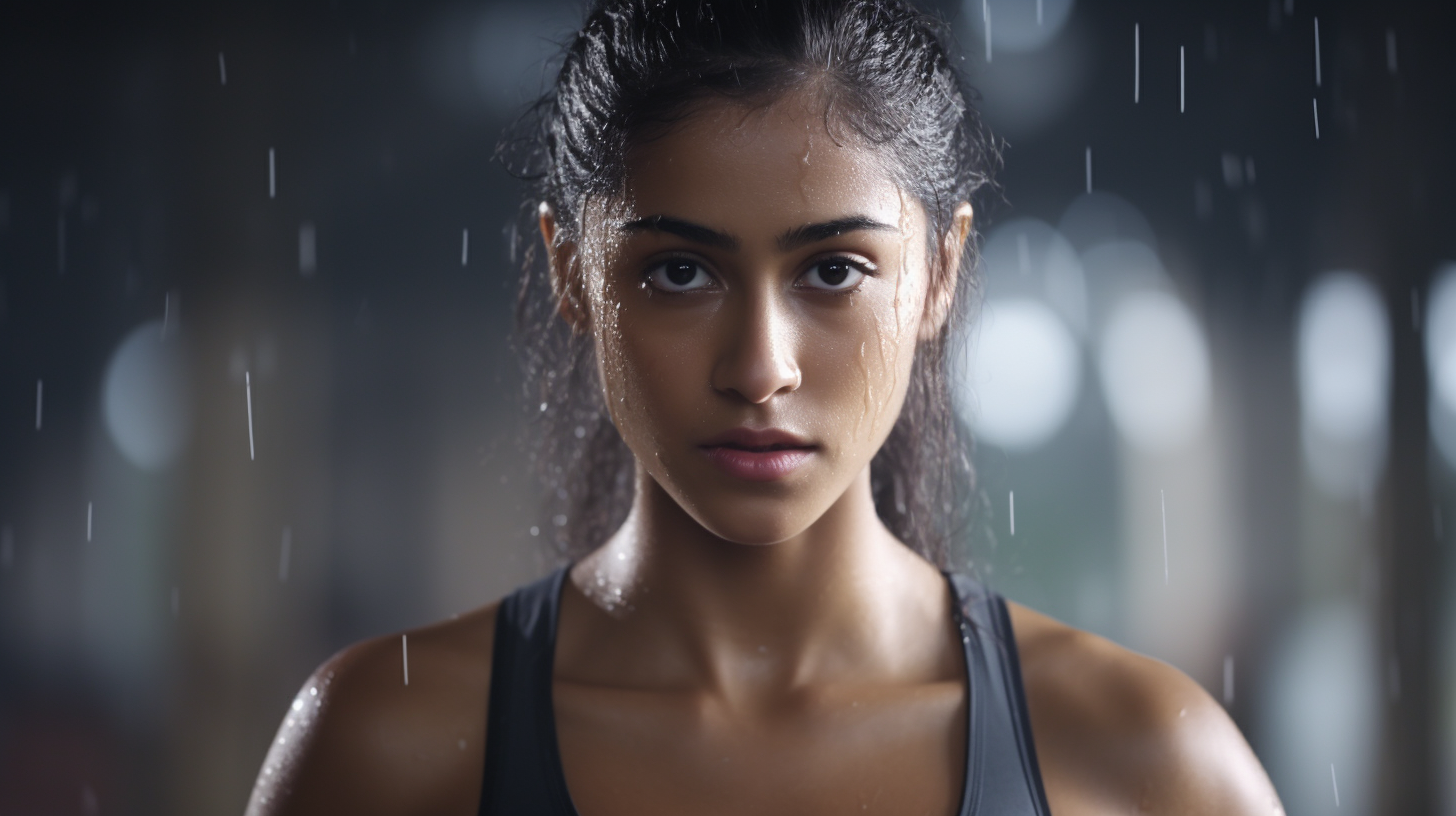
column 793, row 239
column 814, row 233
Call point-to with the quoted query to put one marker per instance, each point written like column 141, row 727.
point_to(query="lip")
column 758, row 456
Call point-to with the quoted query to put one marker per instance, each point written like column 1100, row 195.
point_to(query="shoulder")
column 357, row 739
column 1116, row 731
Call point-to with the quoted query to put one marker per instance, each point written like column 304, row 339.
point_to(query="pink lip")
column 758, row 456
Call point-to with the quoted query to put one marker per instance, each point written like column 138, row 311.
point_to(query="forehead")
column 757, row 170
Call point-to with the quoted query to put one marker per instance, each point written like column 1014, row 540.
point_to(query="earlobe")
column 946, row 274
column 565, row 270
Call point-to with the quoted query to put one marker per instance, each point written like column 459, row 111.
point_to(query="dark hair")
column 887, row 76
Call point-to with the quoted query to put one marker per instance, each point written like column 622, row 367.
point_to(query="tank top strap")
column 1002, row 776
column 523, row 774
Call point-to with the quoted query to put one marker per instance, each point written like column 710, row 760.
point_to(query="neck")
column 841, row 597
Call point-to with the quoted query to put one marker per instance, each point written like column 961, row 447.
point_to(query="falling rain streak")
column 986, row 17
column 1335, row 783
column 1163, row 502
column 1390, row 64
column 1317, row 78
column 222, row 67
column 1316, row 118
column 248, row 386
column 307, row 249
column 404, row 653
column 1228, row 680
column 1137, row 63
column 1012, row 498
column 88, row 520
column 39, row 402
column 272, row 174
column 465, row 247
column 1182, row 81
column 1089, row 169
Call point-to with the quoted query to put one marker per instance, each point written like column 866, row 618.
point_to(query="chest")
column 866, row 750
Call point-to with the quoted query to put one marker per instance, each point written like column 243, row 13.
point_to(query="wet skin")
column 754, row 640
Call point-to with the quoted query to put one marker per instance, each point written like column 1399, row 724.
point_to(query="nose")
column 758, row 358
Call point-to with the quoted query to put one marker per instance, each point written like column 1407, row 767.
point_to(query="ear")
column 565, row 269
column 946, row 273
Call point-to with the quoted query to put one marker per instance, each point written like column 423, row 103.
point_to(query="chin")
column 753, row 522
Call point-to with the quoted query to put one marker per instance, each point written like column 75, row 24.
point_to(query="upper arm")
column 357, row 740
column 1117, row 732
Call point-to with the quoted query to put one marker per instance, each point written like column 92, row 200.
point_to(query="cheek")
column 878, row 342
column 654, row 371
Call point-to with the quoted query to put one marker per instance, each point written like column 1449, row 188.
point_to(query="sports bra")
column 523, row 771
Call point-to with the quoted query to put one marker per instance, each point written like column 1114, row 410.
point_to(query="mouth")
column 758, row 456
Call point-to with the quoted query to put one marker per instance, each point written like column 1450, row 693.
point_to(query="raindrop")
column 1011, row 499
column 39, row 393
column 1335, row 783
column 535, row 531
column 1182, row 73
column 307, row 249
column 222, row 67
column 248, row 384
column 1316, row 118
column 1137, row 63
column 1089, row 168
column 404, row 653
column 272, row 174
column 88, row 521
column 1317, row 77
column 1163, row 503
column 986, row 16
column 464, row 247
column 1390, row 64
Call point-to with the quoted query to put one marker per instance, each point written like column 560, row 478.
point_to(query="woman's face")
column 756, row 301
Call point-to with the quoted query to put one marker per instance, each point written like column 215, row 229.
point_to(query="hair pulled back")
column 635, row 68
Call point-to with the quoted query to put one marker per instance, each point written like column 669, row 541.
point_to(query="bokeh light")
column 1155, row 371
column 145, row 398
column 1018, row 25
column 1343, row 358
column 1027, row 257
column 1023, row 374
column 1440, row 337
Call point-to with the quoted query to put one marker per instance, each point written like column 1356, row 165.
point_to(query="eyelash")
column 866, row 270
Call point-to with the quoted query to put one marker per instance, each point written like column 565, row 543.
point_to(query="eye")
column 834, row 275
column 679, row 275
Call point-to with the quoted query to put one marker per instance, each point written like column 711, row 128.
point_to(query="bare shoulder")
column 358, row 739
column 1117, row 732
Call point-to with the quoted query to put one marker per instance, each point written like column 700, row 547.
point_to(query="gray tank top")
column 523, row 773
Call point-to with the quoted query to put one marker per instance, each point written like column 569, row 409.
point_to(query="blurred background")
column 257, row 400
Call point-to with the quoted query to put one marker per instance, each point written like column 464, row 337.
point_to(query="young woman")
column 756, row 220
